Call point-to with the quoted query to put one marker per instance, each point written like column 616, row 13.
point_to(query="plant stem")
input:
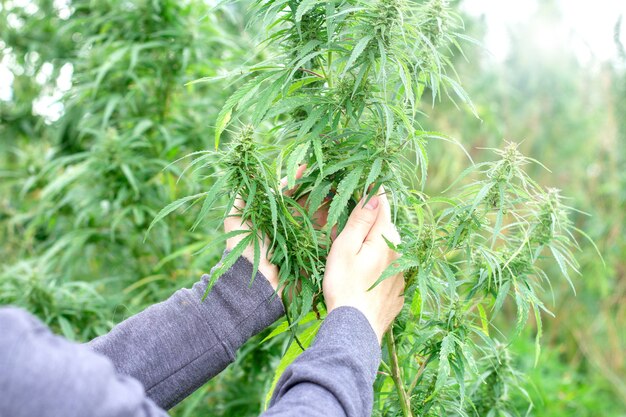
column 312, row 72
column 405, row 400
column 419, row 374
column 328, row 71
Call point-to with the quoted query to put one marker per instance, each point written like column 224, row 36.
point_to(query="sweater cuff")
column 247, row 308
column 348, row 326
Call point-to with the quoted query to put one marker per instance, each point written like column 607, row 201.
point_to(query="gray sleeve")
column 175, row 346
column 45, row 375
column 335, row 376
column 149, row 362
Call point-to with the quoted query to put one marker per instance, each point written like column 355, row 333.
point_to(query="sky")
column 586, row 27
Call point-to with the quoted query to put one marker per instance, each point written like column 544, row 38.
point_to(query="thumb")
column 359, row 224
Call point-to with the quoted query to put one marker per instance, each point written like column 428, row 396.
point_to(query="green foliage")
column 96, row 178
column 342, row 98
column 74, row 309
column 536, row 93
column 343, row 86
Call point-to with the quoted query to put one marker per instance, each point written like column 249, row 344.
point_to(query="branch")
column 405, row 399
column 311, row 72
column 420, row 371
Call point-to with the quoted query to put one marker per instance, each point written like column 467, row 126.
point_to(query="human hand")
column 233, row 222
column 357, row 258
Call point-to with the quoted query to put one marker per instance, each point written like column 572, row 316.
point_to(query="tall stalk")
column 341, row 91
column 396, row 375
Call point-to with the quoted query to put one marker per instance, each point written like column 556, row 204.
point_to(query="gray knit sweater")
column 153, row 360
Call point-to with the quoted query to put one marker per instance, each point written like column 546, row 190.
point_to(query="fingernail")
column 373, row 203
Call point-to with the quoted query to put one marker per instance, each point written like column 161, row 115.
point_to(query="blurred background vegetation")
column 95, row 104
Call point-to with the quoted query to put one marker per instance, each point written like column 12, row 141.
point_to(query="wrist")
column 267, row 270
column 368, row 316
column 244, row 307
column 270, row 273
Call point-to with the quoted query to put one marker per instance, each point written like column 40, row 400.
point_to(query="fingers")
column 383, row 225
column 359, row 224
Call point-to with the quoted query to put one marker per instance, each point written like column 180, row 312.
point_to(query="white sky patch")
column 499, row 16
column 43, row 76
column 64, row 80
column 49, row 107
column 63, row 8
column 585, row 27
column 6, row 82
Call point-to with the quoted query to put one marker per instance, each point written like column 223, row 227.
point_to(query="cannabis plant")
column 77, row 194
column 80, row 192
column 342, row 91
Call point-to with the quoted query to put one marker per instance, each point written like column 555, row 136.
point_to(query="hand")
column 233, row 222
column 357, row 258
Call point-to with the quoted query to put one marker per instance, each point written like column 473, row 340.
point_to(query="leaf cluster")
column 341, row 92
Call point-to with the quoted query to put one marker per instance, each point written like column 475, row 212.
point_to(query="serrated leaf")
column 319, row 154
column 562, row 262
column 211, row 196
column 265, row 102
column 443, row 371
column 469, row 358
column 111, row 60
column 141, row 127
column 465, row 173
column 220, row 125
column 256, row 259
column 399, row 265
column 283, row 327
column 228, row 261
column 273, row 208
column 502, row 294
column 483, row 319
column 287, row 105
column 317, row 195
column 356, row 52
column 375, row 171
column 304, row 7
column 224, row 116
column 309, row 122
column 303, row 303
column 538, row 335
column 188, row 249
column 344, row 192
column 173, row 206
column 523, row 309
column 294, row 160
column 405, row 77
column 302, row 62
column 216, row 240
column 359, row 156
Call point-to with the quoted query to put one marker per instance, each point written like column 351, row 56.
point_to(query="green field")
column 102, row 102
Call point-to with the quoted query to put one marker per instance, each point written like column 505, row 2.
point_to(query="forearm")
column 47, row 376
column 175, row 346
column 334, row 377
